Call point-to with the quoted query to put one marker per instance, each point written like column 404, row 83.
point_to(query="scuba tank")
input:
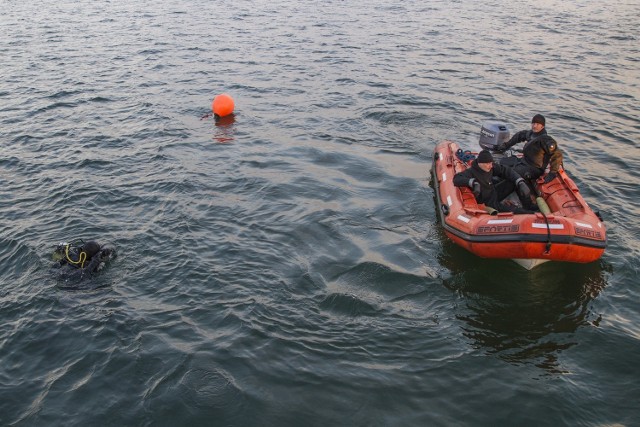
column 70, row 253
column 78, row 252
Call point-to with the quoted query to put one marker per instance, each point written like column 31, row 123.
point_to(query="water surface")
column 285, row 266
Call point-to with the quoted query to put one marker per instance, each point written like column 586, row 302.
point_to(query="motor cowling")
column 494, row 134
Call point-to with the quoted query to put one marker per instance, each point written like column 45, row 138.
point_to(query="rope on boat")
column 548, row 245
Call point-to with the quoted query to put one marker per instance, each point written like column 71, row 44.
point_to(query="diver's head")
column 108, row 252
column 91, row 248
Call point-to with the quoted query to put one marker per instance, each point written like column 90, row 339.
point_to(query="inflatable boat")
column 565, row 228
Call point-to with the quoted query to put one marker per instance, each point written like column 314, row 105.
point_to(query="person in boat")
column 80, row 259
column 480, row 179
column 537, row 130
column 540, row 150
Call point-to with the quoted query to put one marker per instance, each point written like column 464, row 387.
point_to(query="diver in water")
column 78, row 259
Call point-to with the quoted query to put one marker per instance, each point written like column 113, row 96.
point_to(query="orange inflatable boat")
column 565, row 229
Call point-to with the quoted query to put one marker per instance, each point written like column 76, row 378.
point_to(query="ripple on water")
column 286, row 266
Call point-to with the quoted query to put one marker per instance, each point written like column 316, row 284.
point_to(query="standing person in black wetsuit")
column 479, row 177
column 539, row 152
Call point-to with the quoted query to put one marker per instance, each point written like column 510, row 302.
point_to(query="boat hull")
column 571, row 232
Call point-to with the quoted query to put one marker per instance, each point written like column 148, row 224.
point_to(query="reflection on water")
column 224, row 132
column 524, row 316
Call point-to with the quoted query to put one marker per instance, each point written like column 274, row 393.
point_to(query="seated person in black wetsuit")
column 539, row 152
column 79, row 259
column 479, row 177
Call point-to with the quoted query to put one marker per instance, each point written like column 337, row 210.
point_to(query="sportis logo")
column 492, row 229
column 588, row 233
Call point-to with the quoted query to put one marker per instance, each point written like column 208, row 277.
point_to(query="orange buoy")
column 222, row 105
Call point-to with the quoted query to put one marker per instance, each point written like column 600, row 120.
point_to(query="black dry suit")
column 542, row 152
column 490, row 195
column 79, row 259
column 522, row 136
column 539, row 152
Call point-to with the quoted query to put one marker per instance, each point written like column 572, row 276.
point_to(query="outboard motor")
column 493, row 134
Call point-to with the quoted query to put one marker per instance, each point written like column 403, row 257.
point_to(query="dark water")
column 285, row 267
